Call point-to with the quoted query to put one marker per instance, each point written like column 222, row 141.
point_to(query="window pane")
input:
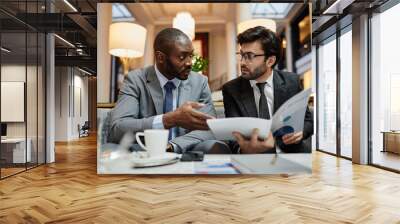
column 327, row 97
column 346, row 94
column 14, row 146
column 385, row 85
column 31, row 99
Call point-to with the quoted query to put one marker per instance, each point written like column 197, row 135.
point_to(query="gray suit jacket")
column 141, row 99
column 239, row 102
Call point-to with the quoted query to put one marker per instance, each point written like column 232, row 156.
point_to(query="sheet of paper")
column 223, row 128
column 290, row 116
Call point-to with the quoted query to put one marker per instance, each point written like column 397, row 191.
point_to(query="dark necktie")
column 263, row 111
column 168, row 102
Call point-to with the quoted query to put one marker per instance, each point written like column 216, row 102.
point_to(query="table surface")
column 212, row 164
column 391, row 132
column 13, row 140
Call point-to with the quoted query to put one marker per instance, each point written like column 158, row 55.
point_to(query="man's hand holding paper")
column 254, row 144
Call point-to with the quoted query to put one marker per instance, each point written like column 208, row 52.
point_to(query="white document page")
column 290, row 116
column 223, row 128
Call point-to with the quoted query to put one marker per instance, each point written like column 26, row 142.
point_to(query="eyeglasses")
column 247, row 56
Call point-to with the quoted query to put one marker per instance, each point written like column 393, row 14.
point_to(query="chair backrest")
column 104, row 124
column 85, row 126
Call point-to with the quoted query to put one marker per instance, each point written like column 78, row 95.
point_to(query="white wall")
column 69, row 85
column 14, row 73
column 50, row 95
column 218, row 57
column 33, row 126
column 104, row 19
column 79, row 117
column 61, row 103
column 17, row 73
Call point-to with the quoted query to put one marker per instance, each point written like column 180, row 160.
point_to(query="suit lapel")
column 279, row 90
column 184, row 92
column 155, row 90
column 247, row 96
column 183, row 96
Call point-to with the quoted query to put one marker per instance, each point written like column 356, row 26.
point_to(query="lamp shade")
column 184, row 22
column 267, row 23
column 127, row 40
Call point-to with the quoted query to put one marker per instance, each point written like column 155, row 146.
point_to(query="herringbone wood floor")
column 70, row 191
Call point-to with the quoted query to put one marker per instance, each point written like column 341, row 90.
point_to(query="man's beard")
column 259, row 71
column 175, row 72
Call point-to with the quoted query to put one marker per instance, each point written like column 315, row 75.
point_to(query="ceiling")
column 326, row 22
column 199, row 9
column 19, row 54
column 210, row 15
column 271, row 10
column 78, row 24
column 163, row 13
column 73, row 20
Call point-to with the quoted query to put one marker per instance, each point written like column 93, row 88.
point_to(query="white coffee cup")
column 156, row 141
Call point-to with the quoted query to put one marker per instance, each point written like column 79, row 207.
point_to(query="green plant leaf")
column 199, row 64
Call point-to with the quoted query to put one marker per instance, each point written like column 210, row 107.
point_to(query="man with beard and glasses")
column 260, row 91
column 167, row 95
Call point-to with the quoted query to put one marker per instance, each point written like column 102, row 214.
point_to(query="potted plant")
column 199, row 64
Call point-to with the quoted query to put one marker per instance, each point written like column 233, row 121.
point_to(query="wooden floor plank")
column 70, row 191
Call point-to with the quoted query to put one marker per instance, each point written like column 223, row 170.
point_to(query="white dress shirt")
column 158, row 120
column 268, row 91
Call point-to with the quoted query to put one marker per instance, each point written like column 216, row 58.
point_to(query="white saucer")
column 164, row 159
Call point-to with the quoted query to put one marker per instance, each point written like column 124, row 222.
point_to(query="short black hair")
column 166, row 38
column 270, row 43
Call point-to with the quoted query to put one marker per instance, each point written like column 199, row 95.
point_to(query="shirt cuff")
column 174, row 146
column 158, row 122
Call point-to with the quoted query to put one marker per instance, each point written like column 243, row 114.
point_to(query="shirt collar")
column 269, row 80
column 163, row 80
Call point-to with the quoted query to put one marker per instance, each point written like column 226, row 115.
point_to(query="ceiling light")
column 64, row 40
column 84, row 71
column 338, row 6
column 284, row 43
column 70, row 5
column 184, row 22
column 5, row 50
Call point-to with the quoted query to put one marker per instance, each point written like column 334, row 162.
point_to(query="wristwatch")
column 170, row 148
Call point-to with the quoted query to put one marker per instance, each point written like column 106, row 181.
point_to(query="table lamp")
column 126, row 41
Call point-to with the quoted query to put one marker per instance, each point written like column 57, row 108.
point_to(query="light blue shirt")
column 157, row 122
